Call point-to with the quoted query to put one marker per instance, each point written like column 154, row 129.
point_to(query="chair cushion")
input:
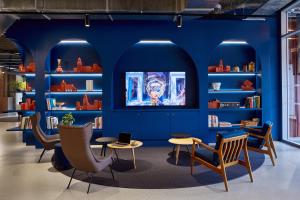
column 207, row 156
column 265, row 127
column 224, row 135
column 255, row 142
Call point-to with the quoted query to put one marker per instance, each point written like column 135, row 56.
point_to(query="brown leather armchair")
column 75, row 142
column 48, row 141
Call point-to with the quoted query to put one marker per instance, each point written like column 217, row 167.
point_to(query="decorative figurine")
column 247, row 85
column 59, row 68
column 97, row 105
column 63, row 87
column 236, row 68
column 251, row 67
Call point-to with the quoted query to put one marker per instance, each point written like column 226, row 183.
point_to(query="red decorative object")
column 80, row 68
column 28, row 105
column 214, row 104
column 97, row 105
column 28, row 87
column 30, row 68
column 219, row 68
column 63, row 87
column 247, row 85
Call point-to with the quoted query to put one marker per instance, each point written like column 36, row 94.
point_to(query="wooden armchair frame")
column 228, row 154
column 268, row 143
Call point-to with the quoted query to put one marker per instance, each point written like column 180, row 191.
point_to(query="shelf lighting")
column 75, row 75
column 76, row 93
column 231, row 74
column 73, row 42
column 155, row 42
column 234, row 42
column 29, row 75
column 255, row 19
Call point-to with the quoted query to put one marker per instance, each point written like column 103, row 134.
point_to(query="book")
column 25, row 123
column 213, row 121
column 98, row 123
column 51, row 103
column 89, row 85
column 52, row 122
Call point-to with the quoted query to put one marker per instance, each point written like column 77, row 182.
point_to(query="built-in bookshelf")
column 74, row 84
column 234, row 89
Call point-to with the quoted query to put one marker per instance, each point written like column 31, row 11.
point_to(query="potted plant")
column 68, row 119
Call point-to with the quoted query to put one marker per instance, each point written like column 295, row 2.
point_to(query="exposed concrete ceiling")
column 271, row 6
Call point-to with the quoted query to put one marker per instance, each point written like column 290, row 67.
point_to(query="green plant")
column 68, row 119
column 17, row 85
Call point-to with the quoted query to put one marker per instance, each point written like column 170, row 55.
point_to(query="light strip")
column 73, row 42
column 231, row 74
column 28, row 75
column 76, row 75
column 155, row 42
column 234, row 42
column 230, row 91
column 76, row 93
column 255, row 19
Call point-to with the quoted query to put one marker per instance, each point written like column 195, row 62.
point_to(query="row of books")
column 25, row 123
column 213, row 121
column 51, row 103
column 52, row 122
column 98, row 123
column 253, row 102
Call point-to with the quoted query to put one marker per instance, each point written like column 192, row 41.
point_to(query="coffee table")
column 104, row 141
column 182, row 141
column 133, row 144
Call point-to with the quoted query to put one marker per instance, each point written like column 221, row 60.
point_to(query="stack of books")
column 51, row 103
column 98, row 123
column 213, row 121
column 25, row 123
column 225, row 124
column 52, row 122
column 253, row 102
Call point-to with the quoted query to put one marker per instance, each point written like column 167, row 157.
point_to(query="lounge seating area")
column 149, row 100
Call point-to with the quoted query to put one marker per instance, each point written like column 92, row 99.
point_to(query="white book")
column 89, row 85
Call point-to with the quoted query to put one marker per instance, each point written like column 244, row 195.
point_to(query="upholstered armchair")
column 225, row 154
column 48, row 141
column 75, row 142
column 261, row 141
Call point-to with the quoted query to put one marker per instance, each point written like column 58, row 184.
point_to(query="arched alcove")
column 155, row 56
column 62, row 65
column 239, row 57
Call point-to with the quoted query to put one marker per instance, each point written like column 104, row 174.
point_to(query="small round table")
column 181, row 141
column 104, row 141
column 180, row 135
column 133, row 144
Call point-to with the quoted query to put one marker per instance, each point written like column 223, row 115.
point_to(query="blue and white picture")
column 155, row 89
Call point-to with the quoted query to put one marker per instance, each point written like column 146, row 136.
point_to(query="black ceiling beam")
column 224, row 15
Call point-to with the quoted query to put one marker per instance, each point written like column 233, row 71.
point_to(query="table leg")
column 173, row 152
column 116, row 154
column 105, row 147
column 177, row 152
column 133, row 158
column 102, row 150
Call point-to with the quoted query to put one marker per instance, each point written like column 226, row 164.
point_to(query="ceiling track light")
column 179, row 21
column 87, row 20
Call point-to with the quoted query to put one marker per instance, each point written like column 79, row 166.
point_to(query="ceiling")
column 11, row 10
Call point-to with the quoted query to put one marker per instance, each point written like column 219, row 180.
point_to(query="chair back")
column 267, row 128
column 37, row 130
column 75, row 142
column 231, row 145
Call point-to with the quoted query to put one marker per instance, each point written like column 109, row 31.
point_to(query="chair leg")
column 270, row 152
column 41, row 155
column 192, row 165
column 248, row 165
column 71, row 178
column 223, row 172
column 272, row 146
column 90, row 181
column 112, row 173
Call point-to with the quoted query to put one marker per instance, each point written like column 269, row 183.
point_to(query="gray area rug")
column 156, row 169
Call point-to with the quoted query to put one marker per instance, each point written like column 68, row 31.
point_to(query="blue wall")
column 198, row 38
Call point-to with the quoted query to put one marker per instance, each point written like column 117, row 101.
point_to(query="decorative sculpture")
column 97, row 105
column 247, row 85
column 80, row 68
column 29, row 68
column 63, row 87
column 59, row 68
column 29, row 104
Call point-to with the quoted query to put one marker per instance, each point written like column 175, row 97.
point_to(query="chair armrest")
column 204, row 145
column 253, row 129
column 256, row 135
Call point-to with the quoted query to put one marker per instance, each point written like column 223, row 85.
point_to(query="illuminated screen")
column 155, row 88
